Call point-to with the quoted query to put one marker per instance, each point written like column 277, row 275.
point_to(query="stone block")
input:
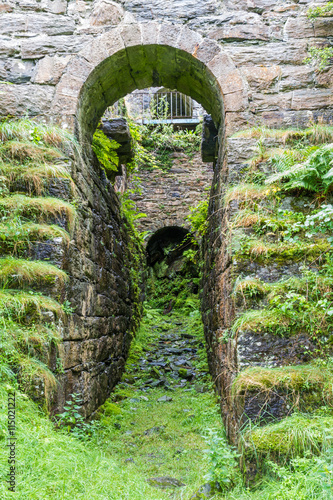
column 69, row 85
column 261, row 77
column 52, row 6
column 169, row 34
column 150, row 32
column 240, row 32
column 131, row 35
column 312, row 99
column 17, row 71
column 106, row 12
column 176, row 10
column 50, row 69
column 296, row 77
column 79, row 67
column 19, row 100
column 222, row 65
column 323, row 27
column 5, row 7
column 49, row 24
column 207, row 51
column 273, row 53
column 235, row 101
column 231, row 82
column 261, row 102
column 189, row 41
column 42, row 45
column 298, row 27
column 325, row 78
column 8, row 47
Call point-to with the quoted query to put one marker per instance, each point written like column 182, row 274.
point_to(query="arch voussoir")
column 140, row 55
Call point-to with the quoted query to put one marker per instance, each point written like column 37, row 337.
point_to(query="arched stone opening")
column 173, row 237
column 141, row 67
column 111, row 66
column 137, row 56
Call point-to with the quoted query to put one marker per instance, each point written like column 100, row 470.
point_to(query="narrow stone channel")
column 162, row 412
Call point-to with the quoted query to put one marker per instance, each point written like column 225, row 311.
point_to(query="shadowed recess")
column 170, row 242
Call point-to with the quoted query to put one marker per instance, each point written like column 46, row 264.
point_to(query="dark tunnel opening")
column 168, row 243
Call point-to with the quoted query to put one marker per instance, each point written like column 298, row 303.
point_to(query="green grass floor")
column 139, row 437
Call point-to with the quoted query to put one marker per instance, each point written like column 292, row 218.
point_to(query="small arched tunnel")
column 144, row 66
column 168, row 243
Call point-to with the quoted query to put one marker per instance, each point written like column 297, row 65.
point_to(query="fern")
column 105, row 150
column 315, row 174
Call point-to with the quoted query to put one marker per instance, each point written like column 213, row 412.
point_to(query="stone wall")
column 266, row 41
column 102, row 292
column 167, row 197
column 105, row 266
column 68, row 61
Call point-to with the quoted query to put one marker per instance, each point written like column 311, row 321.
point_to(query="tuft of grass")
column 23, row 150
column 245, row 218
column 248, row 192
column 250, row 287
column 29, row 130
column 15, row 235
column 34, row 176
column 285, row 250
column 25, row 205
column 292, row 378
column 294, row 436
column 316, row 134
column 27, row 271
column 19, row 305
column 260, row 320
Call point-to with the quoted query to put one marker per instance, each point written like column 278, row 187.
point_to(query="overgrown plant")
column 106, row 151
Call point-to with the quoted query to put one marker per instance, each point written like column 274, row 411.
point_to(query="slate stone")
column 165, row 482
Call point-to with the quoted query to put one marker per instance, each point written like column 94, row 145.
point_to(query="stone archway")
column 112, row 65
column 136, row 56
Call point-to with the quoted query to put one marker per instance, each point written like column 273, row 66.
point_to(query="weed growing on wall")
column 321, row 56
column 106, row 151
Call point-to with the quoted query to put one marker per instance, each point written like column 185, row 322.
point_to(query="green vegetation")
column 321, row 56
column 285, row 217
column 31, row 155
column 106, row 152
column 301, row 234
column 153, row 146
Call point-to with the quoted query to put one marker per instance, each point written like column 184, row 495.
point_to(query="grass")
column 34, row 176
column 33, row 132
column 23, row 271
column 43, row 206
column 260, row 321
column 15, row 234
column 245, row 218
column 295, row 378
column 19, row 305
column 247, row 193
column 26, row 150
column 257, row 248
column 250, row 286
column 294, row 436
column 316, row 134
column 138, row 437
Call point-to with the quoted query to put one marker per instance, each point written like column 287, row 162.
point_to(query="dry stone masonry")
column 167, row 197
column 241, row 60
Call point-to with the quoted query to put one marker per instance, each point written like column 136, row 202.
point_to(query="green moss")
column 291, row 378
column 292, row 437
column 263, row 252
column 109, row 409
